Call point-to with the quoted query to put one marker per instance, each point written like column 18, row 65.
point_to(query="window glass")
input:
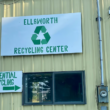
column 54, row 88
column 68, row 87
column 38, row 88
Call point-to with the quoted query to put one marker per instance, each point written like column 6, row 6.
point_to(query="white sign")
column 11, row 81
column 44, row 34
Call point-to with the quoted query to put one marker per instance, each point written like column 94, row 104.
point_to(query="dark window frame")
column 53, row 87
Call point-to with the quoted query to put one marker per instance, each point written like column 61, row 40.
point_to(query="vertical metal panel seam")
column 12, row 103
column 105, row 52
column 43, row 63
column 31, row 107
column 12, row 63
column 64, row 107
column 22, row 7
column 33, row 7
column 88, row 58
column 82, row 32
column 74, row 107
column 2, row 56
column 61, row 6
column 94, row 68
column 42, row 7
column 11, row 93
column 82, row 28
column 22, row 63
column 104, row 43
column 83, row 45
column 2, row 101
column 53, row 107
column 42, row 107
column 32, row 55
column 13, row 9
column 63, row 63
column 107, row 56
column 4, row 15
column 51, row 3
column 80, row 6
column 106, row 71
column 72, row 55
column 52, row 60
column 33, row 65
column 71, row 6
column 93, row 46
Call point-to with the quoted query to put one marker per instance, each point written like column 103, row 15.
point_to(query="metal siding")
column 106, row 44
column 89, row 60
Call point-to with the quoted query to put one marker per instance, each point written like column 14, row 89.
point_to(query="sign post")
column 11, row 81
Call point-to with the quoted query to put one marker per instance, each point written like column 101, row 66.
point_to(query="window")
column 54, row 88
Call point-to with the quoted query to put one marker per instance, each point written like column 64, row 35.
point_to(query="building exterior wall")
column 105, row 37
column 88, row 60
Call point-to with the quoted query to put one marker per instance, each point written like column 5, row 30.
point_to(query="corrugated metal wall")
column 105, row 6
column 89, row 60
